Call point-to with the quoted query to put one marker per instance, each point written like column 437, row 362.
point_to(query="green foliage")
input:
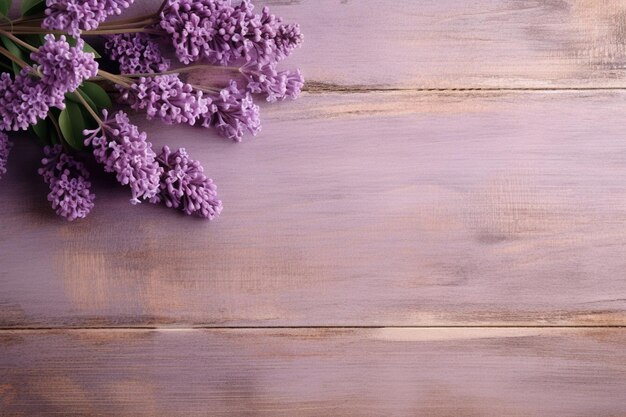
column 33, row 7
column 14, row 49
column 42, row 130
column 5, row 5
column 72, row 123
column 87, row 48
column 96, row 94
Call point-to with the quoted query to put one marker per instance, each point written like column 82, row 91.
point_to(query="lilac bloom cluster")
column 136, row 53
column 73, row 16
column 185, row 187
column 232, row 112
column 60, row 68
column 124, row 150
column 63, row 67
column 166, row 97
column 24, row 100
column 5, row 149
column 219, row 32
column 223, row 32
column 276, row 85
column 70, row 193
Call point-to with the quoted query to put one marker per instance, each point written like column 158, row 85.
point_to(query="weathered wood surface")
column 365, row 44
column 356, row 44
column 355, row 207
column 392, row 208
column 317, row 372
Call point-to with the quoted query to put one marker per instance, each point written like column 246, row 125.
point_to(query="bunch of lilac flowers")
column 56, row 85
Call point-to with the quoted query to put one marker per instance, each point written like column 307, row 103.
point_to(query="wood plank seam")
column 320, row 88
column 329, row 327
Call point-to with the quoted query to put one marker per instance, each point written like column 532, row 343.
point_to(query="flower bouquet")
column 53, row 83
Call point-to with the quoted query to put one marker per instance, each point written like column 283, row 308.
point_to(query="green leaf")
column 89, row 48
column 15, row 50
column 5, row 5
column 72, row 124
column 12, row 47
column 34, row 40
column 96, row 94
column 73, row 97
column 42, row 129
column 86, row 47
column 32, row 7
column 90, row 122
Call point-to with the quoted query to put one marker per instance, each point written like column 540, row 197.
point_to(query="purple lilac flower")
column 222, row 33
column 232, row 112
column 25, row 99
column 185, row 187
column 271, row 39
column 5, row 149
column 276, row 85
column 72, row 16
column 124, row 150
column 136, row 53
column 64, row 67
column 69, row 189
column 193, row 25
column 166, row 97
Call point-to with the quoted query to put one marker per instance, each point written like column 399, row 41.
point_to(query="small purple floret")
column 25, row 99
column 70, row 193
column 219, row 32
column 185, row 187
column 276, row 85
column 232, row 112
column 136, row 53
column 73, row 16
column 64, row 67
column 167, row 98
column 124, row 150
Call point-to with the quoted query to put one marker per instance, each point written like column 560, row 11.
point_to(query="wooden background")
column 436, row 228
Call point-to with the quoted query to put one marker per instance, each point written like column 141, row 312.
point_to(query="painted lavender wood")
column 355, row 208
column 393, row 208
column 363, row 44
column 316, row 372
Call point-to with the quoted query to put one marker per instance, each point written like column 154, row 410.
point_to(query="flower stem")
column 56, row 127
column 18, row 40
column 204, row 89
column 182, row 70
column 115, row 78
column 19, row 61
column 39, row 31
column 88, row 107
column 162, row 7
column 137, row 19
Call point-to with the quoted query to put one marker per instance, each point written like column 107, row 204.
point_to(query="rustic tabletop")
column 436, row 228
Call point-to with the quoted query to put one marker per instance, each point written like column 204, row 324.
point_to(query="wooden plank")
column 365, row 44
column 368, row 372
column 390, row 208
column 458, row 44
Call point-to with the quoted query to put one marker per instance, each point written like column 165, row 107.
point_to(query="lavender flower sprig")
column 185, row 187
column 70, row 193
column 74, row 16
column 55, row 86
column 123, row 149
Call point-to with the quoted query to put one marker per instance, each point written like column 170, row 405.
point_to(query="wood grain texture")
column 348, row 373
column 367, row 44
column 392, row 208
